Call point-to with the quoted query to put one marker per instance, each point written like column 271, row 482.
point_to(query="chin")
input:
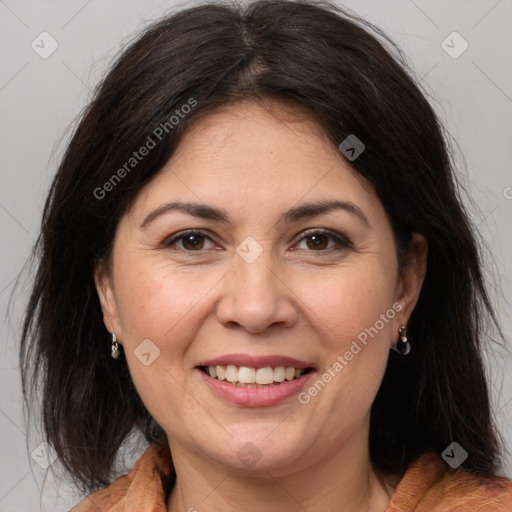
column 259, row 451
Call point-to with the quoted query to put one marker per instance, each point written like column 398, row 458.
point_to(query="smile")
column 254, row 394
column 244, row 376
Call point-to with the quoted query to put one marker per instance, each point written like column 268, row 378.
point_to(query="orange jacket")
column 427, row 486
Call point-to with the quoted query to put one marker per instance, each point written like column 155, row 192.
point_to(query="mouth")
column 253, row 377
column 255, row 381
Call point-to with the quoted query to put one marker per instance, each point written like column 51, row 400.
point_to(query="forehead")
column 248, row 156
column 257, row 134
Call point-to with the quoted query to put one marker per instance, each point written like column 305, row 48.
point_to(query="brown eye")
column 324, row 241
column 191, row 241
column 318, row 241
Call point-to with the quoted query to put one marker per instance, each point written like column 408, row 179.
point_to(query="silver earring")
column 402, row 345
column 115, row 347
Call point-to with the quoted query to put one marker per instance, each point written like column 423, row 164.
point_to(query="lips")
column 256, row 361
column 276, row 378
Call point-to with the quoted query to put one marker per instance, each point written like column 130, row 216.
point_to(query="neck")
column 338, row 481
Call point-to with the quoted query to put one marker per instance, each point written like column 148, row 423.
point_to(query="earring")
column 402, row 345
column 115, row 347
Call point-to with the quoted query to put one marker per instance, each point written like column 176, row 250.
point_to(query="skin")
column 298, row 298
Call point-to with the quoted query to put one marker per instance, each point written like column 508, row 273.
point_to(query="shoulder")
column 430, row 485
column 144, row 487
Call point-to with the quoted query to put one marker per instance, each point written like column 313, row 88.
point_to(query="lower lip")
column 255, row 397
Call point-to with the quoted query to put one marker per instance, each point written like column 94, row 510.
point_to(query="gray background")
column 39, row 98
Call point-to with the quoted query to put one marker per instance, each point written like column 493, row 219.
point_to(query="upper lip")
column 256, row 361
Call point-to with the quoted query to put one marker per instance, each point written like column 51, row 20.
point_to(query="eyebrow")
column 303, row 211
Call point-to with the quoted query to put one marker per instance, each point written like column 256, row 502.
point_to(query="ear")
column 104, row 288
column 411, row 277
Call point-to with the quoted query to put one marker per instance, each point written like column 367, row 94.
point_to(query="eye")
column 318, row 240
column 192, row 241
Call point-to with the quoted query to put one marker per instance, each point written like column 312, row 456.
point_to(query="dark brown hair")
column 353, row 80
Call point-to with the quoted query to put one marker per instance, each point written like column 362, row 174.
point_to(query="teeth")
column 231, row 373
column 290, row 373
column 246, row 376
column 265, row 375
column 279, row 374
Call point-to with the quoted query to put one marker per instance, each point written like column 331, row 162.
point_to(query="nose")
column 256, row 296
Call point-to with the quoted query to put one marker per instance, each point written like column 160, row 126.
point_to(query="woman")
column 254, row 253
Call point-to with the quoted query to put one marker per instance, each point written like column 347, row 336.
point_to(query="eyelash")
column 342, row 242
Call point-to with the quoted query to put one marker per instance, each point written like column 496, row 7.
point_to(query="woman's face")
column 251, row 286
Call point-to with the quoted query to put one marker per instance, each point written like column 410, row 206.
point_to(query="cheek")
column 349, row 302
column 158, row 302
column 162, row 305
column 354, row 316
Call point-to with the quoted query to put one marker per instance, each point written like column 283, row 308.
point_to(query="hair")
column 352, row 79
